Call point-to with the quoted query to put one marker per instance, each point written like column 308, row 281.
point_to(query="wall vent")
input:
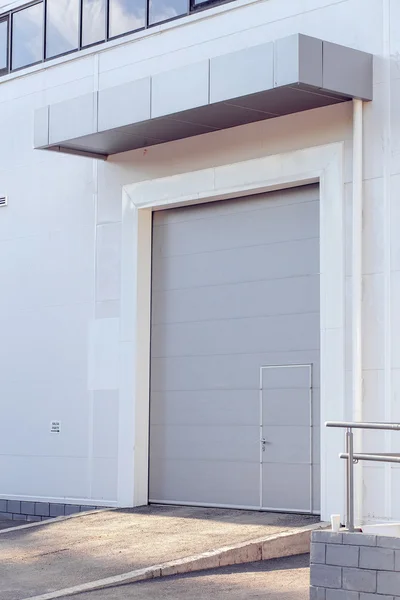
column 3, row 201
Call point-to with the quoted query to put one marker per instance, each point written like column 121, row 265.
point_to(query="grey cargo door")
column 235, row 287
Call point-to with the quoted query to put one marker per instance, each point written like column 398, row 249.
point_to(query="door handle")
column 263, row 444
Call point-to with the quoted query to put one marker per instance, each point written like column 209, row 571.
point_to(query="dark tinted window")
column 3, row 44
column 126, row 15
column 62, row 33
column 93, row 21
column 161, row 10
column 27, row 36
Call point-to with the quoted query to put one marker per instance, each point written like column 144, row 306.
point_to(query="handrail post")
column 350, row 480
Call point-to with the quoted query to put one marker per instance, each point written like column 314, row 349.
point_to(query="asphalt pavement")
column 61, row 554
column 279, row 579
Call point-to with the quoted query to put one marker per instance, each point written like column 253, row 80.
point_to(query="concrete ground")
column 280, row 579
column 61, row 554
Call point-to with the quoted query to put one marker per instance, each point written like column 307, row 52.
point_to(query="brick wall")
column 17, row 510
column 354, row 566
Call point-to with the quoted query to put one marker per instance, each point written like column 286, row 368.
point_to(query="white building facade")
column 184, row 281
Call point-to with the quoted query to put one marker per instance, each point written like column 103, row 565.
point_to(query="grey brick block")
column 33, row 518
column 342, row 556
column 317, row 553
column 381, row 559
column 5, row 516
column 42, row 509
column 359, row 580
column 19, row 517
column 359, row 539
column 317, row 593
column 13, row 506
column 3, row 505
column 27, row 508
column 364, row 596
column 57, row 510
column 388, row 583
column 341, row 595
column 326, row 537
column 384, row 541
column 71, row 509
column 326, row 576
column 86, row 508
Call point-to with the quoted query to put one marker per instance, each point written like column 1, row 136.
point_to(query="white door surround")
column 323, row 165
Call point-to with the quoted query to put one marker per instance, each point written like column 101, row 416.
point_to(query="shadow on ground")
column 225, row 515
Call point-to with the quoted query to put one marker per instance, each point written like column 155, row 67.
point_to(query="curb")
column 287, row 543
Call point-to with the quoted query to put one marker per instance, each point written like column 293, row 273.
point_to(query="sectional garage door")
column 235, row 353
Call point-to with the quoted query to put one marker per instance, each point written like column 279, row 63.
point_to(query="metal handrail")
column 353, row 457
column 356, row 425
column 386, row 457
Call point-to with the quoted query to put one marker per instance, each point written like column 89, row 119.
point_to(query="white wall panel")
column 52, row 256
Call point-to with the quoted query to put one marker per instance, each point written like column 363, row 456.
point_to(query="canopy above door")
column 277, row 78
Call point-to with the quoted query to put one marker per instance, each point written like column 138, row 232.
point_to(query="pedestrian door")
column 286, row 432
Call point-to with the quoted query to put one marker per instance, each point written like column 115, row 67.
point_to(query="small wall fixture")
column 3, row 201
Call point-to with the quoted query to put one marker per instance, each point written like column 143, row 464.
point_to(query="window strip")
column 172, row 11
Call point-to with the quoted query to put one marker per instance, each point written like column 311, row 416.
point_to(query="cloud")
column 62, row 26
column 124, row 16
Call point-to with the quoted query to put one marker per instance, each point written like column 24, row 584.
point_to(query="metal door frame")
column 311, row 417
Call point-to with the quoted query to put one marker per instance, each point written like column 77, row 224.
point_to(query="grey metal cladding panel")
column 347, row 71
column 254, row 202
column 305, row 193
column 241, row 73
column 286, row 486
column 298, row 59
column 167, row 129
column 41, row 127
column 205, row 482
column 287, row 61
column 180, row 89
column 73, row 118
column 254, row 298
column 195, row 442
column 316, row 444
column 111, row 142
column 236, row 336
column 255, row 227
column 287, row 100
column 310, row 55
column 316, row 400
column 124, row 104
column 222, row 115
column 222, row 372
column 193, row 407
column 254, row 263
column 316, row 487
column 293, row 377
column 173, row 129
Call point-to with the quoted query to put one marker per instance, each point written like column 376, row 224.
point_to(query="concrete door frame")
column 322, row 164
